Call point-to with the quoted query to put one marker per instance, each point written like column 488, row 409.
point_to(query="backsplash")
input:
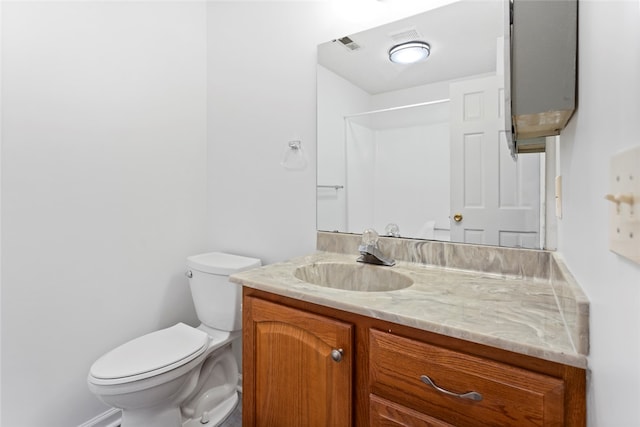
column 519, row 263
column 572, row 302
column 526, row 264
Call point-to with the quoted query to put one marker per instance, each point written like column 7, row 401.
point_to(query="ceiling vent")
column 348, row 43
column 406, row 35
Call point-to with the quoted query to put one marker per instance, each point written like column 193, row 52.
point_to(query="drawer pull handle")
column 472, row 395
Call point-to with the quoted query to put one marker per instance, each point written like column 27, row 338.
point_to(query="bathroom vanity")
column 473, row 336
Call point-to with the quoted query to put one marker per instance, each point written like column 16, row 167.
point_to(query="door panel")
column 497, row 197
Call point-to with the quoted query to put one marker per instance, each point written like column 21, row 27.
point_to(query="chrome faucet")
column 369, row 252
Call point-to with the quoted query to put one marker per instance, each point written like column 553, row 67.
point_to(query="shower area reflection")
column 394, row 169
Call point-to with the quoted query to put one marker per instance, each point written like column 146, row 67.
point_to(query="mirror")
column 424, row 145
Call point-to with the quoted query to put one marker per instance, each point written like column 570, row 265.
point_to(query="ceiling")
column 463, row 38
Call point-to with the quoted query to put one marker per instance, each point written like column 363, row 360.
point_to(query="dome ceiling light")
column 409, row 52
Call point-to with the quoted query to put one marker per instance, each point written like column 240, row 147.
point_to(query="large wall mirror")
column 423, row 145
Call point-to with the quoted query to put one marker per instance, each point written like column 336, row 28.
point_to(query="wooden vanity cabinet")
column 291, row 380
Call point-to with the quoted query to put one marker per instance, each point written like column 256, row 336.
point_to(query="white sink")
column 353, row 277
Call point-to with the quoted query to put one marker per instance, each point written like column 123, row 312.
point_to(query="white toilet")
column 181, row 376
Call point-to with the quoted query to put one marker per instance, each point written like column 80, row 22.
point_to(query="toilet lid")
column 151, row 354
column 220, row 263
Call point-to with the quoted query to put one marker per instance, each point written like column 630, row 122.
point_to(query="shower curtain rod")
column 402, row 107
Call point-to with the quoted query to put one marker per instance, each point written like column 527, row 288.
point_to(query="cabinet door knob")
column 471, row 395
column 336, row 354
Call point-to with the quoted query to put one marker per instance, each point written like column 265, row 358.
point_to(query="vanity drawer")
column 384, row 413
column 510, row 396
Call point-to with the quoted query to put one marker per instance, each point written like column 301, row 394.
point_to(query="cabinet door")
column 293, row 375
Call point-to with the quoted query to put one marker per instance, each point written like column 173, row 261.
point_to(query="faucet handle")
column 392, row 230
column 369, row 252
column 370, row 237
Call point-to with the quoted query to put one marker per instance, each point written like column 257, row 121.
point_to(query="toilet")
column 181, row 375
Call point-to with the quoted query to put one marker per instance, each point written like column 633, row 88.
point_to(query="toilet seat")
column 150, row 355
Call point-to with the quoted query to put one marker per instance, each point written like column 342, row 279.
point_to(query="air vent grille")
column 348, row 43
column 406, row 35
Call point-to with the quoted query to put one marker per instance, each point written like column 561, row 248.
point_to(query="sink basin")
column 353, row 277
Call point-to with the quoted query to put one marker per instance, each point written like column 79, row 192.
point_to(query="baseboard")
column 110, row 418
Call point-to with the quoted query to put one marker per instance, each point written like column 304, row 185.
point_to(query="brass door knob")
column 457, row 217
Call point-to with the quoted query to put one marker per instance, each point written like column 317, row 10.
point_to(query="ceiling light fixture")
column 409, row 52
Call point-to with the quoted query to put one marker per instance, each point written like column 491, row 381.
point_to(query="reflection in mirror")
column 423, row 146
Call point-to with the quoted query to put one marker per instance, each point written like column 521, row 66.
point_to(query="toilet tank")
column 216, row 299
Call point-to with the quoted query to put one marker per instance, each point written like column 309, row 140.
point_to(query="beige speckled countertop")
column 526, row 315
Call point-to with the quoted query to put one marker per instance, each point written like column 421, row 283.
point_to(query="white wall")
column 261, row 95
column 360, row 170
column 103, row 189
column 605, row 123
column 337, row 98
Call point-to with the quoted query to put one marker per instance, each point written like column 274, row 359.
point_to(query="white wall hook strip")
column 621, row 198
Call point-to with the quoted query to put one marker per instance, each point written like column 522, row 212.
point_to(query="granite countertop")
column 523, row 315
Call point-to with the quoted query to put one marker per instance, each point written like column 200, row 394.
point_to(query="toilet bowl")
column 181, row 376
